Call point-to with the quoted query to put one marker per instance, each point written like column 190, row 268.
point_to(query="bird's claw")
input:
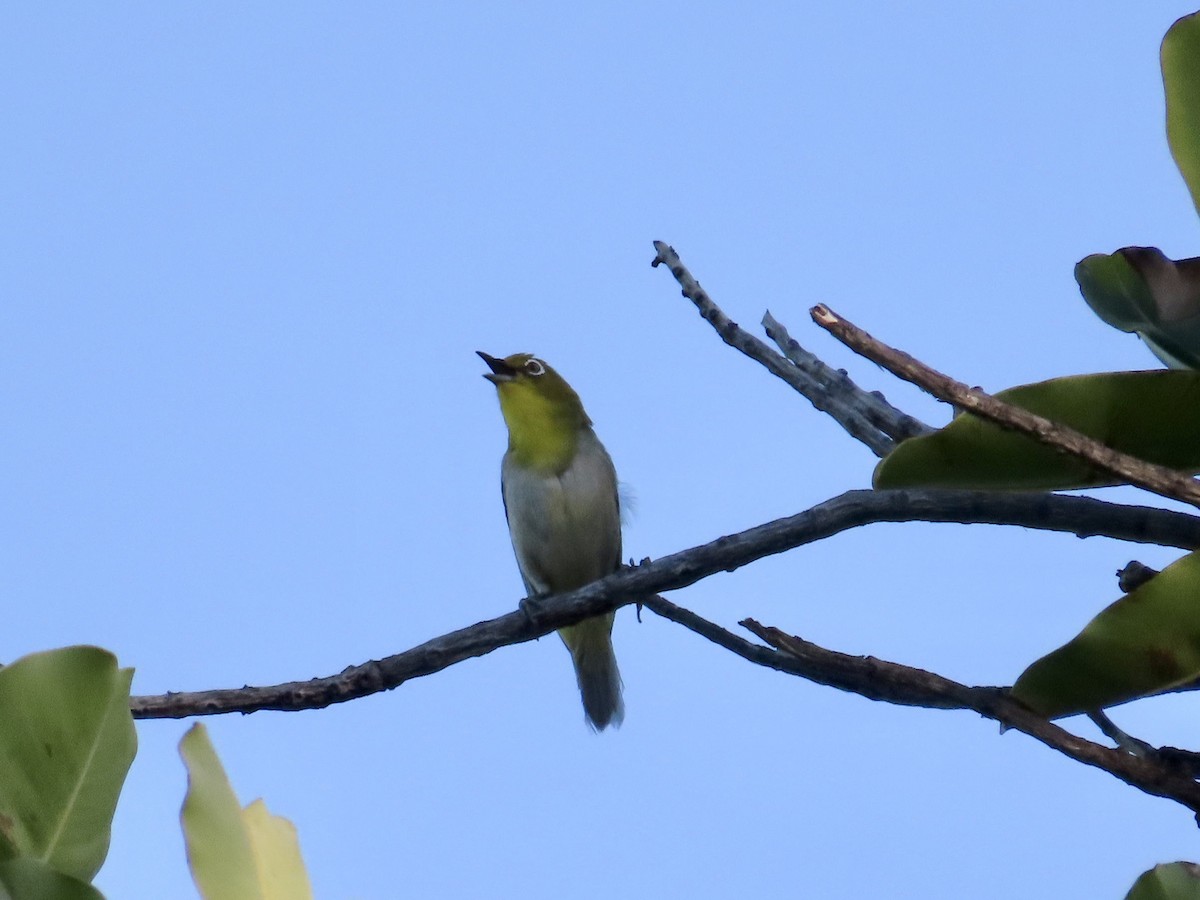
column 531, row 608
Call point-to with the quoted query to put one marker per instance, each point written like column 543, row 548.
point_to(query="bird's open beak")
column 501, row 371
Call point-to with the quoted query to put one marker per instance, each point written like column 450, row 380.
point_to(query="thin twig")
column 894, row 422
column 1158, row 479
column 848, row 415
column 1082, row 516
column 756, row 653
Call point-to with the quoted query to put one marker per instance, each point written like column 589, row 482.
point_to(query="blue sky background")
column 246, row 254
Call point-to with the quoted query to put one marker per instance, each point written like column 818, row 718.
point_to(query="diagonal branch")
column 1158, row 479
column 894, row 683
column 850, row 406
column 1082, row 516
column 755, row 653
column 895, row 423
column 877, row 679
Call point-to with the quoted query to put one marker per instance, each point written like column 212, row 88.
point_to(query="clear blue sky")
column 246, row 254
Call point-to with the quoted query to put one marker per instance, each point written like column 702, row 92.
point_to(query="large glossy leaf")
column 1140, row 290
column 1170, row 881
column 26, row 878
column 1180, row 58
column 235, row 854
column 1152, row 415
column 1147, row 641
column 1115, row 290
column 66, row 743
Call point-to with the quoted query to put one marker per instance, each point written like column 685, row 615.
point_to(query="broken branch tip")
column 823, row 315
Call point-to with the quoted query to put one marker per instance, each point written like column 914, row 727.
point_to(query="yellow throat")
column 544, row 415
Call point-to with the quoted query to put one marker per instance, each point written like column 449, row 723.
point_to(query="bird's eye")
column 535, row 367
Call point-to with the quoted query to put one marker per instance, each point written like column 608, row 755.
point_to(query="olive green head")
column 543, row 413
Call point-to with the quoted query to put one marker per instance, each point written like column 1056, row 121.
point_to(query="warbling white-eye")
column 560, row 498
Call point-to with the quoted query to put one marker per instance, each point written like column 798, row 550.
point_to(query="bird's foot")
column 633, row 565
column 531, row 608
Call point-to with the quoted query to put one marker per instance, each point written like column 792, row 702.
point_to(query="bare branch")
column 891, row 682
column 1186, row 760
column 847, row 414
column 756, row 653
column 841, row 391
column 1162, row 773
column 1158, row 479
column 1082, row 516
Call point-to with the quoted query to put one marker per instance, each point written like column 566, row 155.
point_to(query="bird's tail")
column 590, row 643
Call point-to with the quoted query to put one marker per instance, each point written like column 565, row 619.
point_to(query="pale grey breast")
column 566, row 529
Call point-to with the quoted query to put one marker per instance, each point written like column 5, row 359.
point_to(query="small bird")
column 560, row 499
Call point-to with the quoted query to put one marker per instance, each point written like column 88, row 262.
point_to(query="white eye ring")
column 535, row 367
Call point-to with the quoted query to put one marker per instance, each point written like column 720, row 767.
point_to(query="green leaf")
column 1152, row 415
column 277, row 852
column 27, row 878
column 1180, row 56
column 1140, row 290
column 1169, row 881
column 1137, row 289
column 66, row 743
column 235, row 854
column 218, row 848
column 1147, row 641
column 1115, row 290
